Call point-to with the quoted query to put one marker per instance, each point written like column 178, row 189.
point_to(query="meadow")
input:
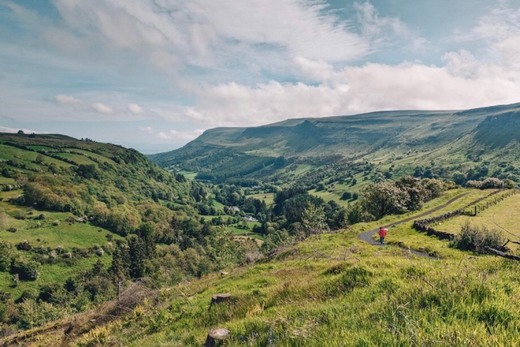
column 335, row 290
column 502, row 218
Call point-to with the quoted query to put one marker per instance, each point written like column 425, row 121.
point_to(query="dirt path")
column 367, row 235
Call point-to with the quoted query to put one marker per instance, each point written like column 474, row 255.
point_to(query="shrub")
column 24, row 246
column 476, row 239
column 27, row 271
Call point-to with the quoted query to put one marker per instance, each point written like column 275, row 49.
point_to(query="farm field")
column 48, row 229
column 268, row 198
column 503, row 217
column 51, row 274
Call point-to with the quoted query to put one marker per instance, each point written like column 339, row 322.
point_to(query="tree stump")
column 218, row 298
column 216, row 337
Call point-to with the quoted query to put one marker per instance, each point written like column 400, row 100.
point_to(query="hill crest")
column 224, row 153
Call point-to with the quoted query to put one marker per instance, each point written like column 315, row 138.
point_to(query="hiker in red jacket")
column 382, row 234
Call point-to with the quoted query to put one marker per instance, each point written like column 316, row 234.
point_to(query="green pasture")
column 268, row 198
column 77, row 158
column 190, row 175
column 28, row 157
column 5, row 180
column 41, row 148
column 471, row 196
column 52, row 231
column 96, row 156
column 328, row 195
column 9, row 152
column 67, row 235
column 332, row 288
column 218, row 206
column 503, row 217
column 235, row 230
column 51, row 274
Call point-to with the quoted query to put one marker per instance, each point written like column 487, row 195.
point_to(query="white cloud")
column 382, row 32
column 312, row 69
column 235, row 104
column 359, row 89
column 171, row 33
column 148, row 130
column 86, row 107
column 135, row 108
column 498, row 24
column 497, row 34
column 102, row 108
column 69, row 101
column 179, row 135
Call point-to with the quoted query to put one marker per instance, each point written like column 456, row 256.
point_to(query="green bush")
column 26, row 270
column 476, row 239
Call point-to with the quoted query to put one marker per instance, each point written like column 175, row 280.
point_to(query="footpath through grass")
column 333, row 290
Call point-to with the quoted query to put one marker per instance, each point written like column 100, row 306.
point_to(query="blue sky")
column 154, row 74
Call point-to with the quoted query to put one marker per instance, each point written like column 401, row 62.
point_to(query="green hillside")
column 435, row 144
column 329, row 290
column 99, row 246
column 80, row 220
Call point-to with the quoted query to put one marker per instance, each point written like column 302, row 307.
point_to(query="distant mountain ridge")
column 251, row 152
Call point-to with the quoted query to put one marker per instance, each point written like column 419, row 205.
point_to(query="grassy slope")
column 333, row 290
column 55, row 230
column 400, row 140
column 123, row 173
column 499, row 217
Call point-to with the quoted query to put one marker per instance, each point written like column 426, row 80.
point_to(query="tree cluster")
column 403, row 195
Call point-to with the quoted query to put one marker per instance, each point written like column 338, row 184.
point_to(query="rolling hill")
column 65, row 204
column 329, row 290
column 456, row 141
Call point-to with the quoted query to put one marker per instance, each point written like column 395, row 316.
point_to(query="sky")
column 154, row 74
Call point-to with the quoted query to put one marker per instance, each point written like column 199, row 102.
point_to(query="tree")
column 294, row 207
column 413, row 188
column 335, row 215
column 346, row 196
column 120, row 265
column 313, row 219
column 384, row 198
column 87, row 171
column 136, row 256
column 356, row 213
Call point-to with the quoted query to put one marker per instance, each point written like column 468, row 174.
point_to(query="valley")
column 102, row 246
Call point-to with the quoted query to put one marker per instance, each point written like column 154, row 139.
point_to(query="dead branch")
column 502, row 254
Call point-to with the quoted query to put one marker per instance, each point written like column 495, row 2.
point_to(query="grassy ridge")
column 332, row 290
column 70, row 200
column 475, row 143
column 335, row 290
column 498, row 217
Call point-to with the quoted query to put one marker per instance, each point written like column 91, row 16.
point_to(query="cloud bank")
column 173, row 68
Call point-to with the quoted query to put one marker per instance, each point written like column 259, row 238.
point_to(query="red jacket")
column 382, row 232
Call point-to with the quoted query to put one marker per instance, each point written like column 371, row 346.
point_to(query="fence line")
column 423, row 225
